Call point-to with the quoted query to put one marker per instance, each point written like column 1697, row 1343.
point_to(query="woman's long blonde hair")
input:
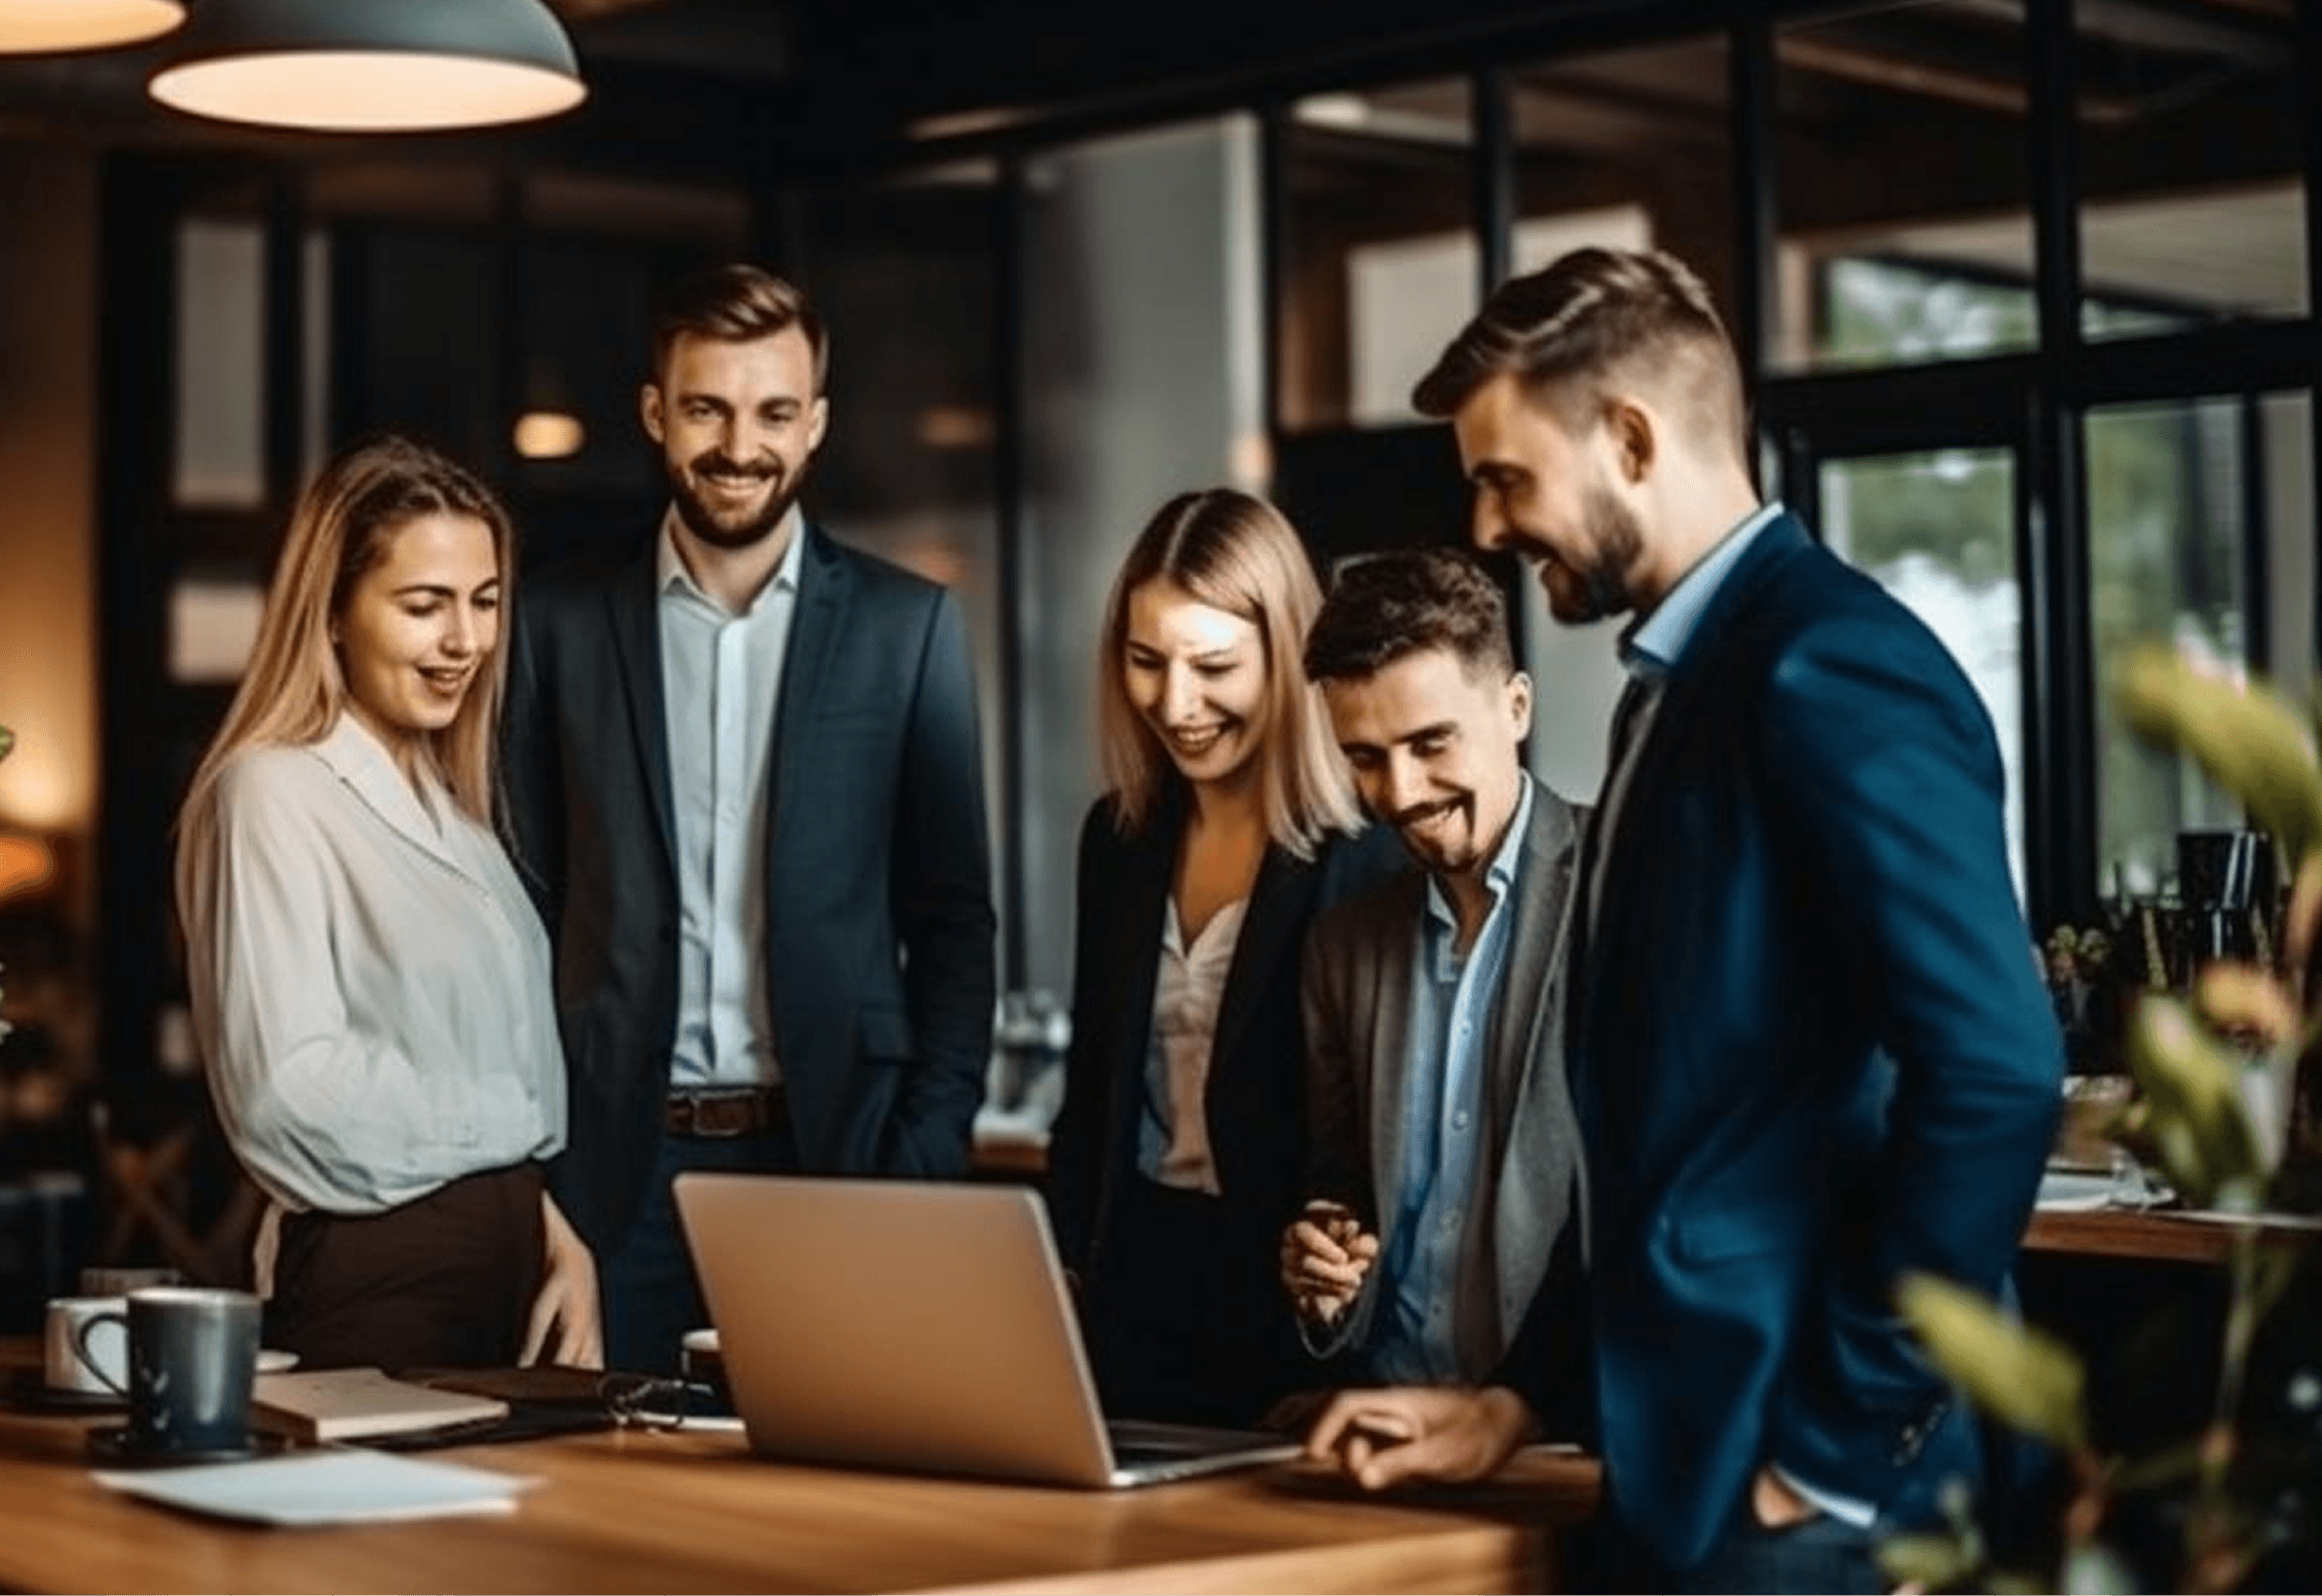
column 295, row 689
column 1234, row 552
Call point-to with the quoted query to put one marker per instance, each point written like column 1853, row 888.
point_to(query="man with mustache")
column 745, row 784
column 1806, row 1049
column 1442, row 1240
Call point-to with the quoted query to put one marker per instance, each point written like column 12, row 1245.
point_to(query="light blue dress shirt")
column 721, row 679
column 1452, row 1004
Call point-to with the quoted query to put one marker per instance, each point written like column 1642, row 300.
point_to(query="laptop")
column 922, row 1326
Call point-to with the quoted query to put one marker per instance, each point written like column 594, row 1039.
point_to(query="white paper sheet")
column 325, row 1486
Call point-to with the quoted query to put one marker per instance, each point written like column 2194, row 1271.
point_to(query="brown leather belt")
column 727, row 1111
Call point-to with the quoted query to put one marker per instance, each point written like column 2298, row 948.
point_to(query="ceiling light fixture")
column 41, row 27
column 372, row 65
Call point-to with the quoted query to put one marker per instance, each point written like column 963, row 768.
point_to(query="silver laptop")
column 900, row 1324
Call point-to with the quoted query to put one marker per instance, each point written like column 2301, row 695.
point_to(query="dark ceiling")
column 765, row 88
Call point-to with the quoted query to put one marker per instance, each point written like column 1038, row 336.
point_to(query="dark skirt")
column 445, row 1281
column 1188, row 1322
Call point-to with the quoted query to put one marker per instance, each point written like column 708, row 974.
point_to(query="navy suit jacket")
column 1811, row 1052
column 879, row 925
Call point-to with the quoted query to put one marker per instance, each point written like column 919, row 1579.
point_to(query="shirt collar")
column 356, row 755
column 1657, row 642
column 1506, row 859
column 670, row 571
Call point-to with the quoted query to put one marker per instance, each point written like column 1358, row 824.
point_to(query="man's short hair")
column 1386, row 606
column 1590, row 318
column 736, row 303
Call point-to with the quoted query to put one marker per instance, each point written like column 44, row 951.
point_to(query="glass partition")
column 1938, row 531
column 1380, row 262
column 1902, row 183
column 2191, row 169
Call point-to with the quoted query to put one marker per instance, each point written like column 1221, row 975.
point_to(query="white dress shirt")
column 370, row 984
column 721, row 679
column 1188, row 984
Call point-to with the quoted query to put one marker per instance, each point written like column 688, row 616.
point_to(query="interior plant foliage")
column 2224, row 1108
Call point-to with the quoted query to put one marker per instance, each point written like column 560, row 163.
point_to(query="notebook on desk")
column 922, row 1326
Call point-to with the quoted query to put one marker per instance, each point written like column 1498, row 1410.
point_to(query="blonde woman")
column 370, row 984
column 1177, row 1157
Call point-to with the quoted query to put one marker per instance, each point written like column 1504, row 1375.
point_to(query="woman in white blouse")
column 370, row 984
column 1178, row 1154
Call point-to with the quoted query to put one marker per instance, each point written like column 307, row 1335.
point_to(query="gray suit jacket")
column 1360, row 960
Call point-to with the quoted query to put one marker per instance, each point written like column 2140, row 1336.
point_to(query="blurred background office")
column 2027, row 286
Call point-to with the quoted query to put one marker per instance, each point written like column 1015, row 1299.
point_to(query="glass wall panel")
column 2169, row 507
column 1902, row 183
column 1629, row 149
column 1141, row 367
column 2191, row 164
column 1381, row 262
column 1938, row 531
column 220, row 451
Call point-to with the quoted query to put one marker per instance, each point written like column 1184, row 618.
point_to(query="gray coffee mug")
column 193, row 1351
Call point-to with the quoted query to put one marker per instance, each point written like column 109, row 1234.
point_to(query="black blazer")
column 1256, row 1095
column 879, row 914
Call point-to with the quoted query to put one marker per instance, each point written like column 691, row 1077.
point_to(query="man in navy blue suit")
column 1807, row 1051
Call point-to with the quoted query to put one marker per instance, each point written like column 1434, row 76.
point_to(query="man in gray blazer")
column 745, row 786
column 1441, row 1243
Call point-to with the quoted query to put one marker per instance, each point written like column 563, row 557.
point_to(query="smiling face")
column 1197, row 676
column 419, row 625
column 1433, row 746
column 1550, row 495
column 738, row 421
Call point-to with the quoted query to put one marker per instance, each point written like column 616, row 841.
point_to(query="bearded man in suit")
column 1442, row 1240
column 744, row 781
column 1808, row 1051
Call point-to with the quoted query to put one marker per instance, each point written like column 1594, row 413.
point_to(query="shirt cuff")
column 1846, row 1510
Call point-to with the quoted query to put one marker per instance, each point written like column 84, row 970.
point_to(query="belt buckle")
column 717, row 1115
column 728, row 1114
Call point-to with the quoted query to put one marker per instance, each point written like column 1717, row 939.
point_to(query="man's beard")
column 1615, row 540
column 703, row 522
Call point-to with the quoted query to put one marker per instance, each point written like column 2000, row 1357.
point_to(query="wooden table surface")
column 641, row 1511
column 2160, row 1234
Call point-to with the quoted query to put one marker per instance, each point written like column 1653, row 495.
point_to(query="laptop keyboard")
column 1136, row 1442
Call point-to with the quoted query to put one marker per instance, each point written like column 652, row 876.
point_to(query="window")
column 1875, row 270
column 1381, row 261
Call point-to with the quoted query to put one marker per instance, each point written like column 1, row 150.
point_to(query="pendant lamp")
column 371, row 65
column 41, row 27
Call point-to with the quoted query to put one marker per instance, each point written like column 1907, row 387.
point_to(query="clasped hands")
column 1325, row 1255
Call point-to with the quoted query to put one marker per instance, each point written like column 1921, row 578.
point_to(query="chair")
column 153, row 1200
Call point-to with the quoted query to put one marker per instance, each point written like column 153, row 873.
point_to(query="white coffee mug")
column 61, row 1363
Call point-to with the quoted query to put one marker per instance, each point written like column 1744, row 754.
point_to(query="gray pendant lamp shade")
column 40, row 26
column 371, row 65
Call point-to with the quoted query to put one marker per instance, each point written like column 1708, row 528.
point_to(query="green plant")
column 2222, row 1110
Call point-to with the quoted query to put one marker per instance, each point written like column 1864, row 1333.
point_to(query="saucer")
column 272, row 1360
column 28, row 1391
column 111, row 1446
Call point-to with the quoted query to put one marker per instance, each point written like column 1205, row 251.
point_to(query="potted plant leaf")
column 2225, row 1108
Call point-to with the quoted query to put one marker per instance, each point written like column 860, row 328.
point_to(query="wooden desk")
column 2154, row 1233
column 634, row 1510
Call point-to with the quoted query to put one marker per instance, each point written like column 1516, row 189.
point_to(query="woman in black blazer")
column 1176, row 1159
